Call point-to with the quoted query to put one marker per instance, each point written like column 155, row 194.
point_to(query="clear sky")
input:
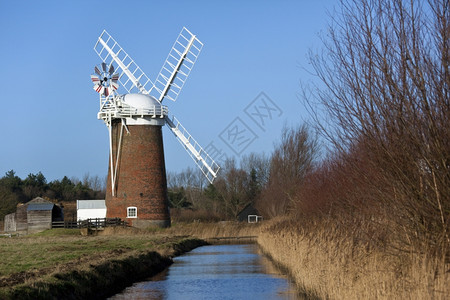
column 49, row 109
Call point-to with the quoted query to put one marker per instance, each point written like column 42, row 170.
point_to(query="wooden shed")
column 249, row 214
column 41, row 215
column 22, row 213
column 33, row 216
column 10, row 223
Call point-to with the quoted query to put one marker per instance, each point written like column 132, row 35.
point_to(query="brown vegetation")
column 387, row 76
column 291, row 161
column 214, row 230
column 191, row 199
column 372, row 219
column 330, row 263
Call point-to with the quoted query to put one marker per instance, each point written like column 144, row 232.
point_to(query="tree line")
column 268, row 182
column 191, row 197
column 14, row 190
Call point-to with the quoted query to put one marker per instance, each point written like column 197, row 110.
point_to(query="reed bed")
column 214, row 230
column 326, row 264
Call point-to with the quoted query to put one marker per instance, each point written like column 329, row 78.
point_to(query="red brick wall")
column 141, row 177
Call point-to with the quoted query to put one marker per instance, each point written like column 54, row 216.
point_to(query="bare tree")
column 384, row 86
column 290, row 163
column 258, row 162
column 232, row 186
column 191, row 182
column 93, row 182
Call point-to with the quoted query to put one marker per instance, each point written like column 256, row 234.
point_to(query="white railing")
column 126, row 111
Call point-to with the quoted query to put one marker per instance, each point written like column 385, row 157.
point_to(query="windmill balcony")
column 126, row 111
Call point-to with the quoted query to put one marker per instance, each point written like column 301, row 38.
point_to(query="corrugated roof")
column 40, row 206
column 91, row 204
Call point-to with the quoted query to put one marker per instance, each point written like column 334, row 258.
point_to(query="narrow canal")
column 216, row 272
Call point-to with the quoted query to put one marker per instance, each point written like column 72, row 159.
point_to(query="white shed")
column 90, row 209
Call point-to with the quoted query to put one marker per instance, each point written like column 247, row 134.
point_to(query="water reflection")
column 215, row 272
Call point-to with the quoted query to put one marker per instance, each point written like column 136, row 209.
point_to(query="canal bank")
column 100, row 266
column 220, row 271
column 97, row 280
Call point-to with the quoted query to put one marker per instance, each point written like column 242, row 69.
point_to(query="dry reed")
column 214, row 230
column 330, row 265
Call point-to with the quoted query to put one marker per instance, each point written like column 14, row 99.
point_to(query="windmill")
column 137, row 187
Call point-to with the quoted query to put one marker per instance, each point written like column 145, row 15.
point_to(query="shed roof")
column 40, row 206
column 248, row 210
column 91, row 204
column 38, row 200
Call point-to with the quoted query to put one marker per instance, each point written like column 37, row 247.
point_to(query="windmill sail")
column 208, row 166
column 178, row 65
column 135, row 80
column 169, row 83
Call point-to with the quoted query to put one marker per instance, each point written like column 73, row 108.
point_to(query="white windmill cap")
column 142, row 109
column 140, row 101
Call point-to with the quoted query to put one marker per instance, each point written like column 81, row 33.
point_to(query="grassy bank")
column 329, row 265
column 61, row 264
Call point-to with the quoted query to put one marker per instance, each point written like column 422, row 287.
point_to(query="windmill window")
column 132, row 212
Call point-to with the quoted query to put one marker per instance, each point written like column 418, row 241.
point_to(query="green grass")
column 58, row 264
column 62, row 263
column 58, row 246
column 58, row 232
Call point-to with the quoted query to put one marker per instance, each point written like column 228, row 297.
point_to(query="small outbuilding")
column 10, row 222
column 249, row 214
column 33, row 216
column 90, row 209
column 41, row 215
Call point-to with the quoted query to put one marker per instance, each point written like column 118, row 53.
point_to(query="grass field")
column 60, row 261
column 59, row 249
column 56, row 247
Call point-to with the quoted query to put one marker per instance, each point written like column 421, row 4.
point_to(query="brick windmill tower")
column 137, row 187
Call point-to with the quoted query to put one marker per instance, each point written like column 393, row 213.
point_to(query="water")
column 215, row 272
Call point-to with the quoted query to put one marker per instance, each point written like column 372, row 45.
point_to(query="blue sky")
column 49, row 108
